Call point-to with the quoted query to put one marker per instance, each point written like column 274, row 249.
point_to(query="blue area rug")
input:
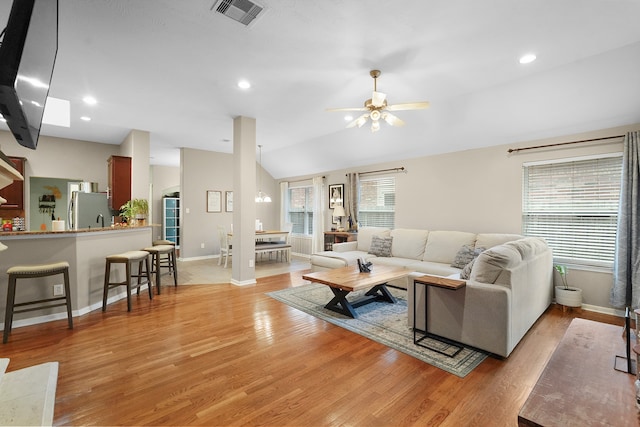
column 382, row 322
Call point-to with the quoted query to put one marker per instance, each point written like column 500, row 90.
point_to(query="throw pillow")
column 381, row 246
column 465, row 255
column 466, row 271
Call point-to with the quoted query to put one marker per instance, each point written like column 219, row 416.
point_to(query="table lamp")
column 338, row 212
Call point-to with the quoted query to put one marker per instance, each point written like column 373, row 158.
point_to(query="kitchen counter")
column 12, row 235
column 85, row 250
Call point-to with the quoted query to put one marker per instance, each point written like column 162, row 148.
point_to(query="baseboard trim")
column 74, row 313
column 197, row 258
column 243, row 282
column 603, row 310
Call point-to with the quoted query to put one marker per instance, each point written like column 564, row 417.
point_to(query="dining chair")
column 225, row 247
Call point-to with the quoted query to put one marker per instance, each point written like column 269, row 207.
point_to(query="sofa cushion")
column 489, row 240
column 392, row 261
column 442, row 246
column 333, row 259
column 409, row 243
column 365, row 234
column 528, row 247
column 433, row 268
column 465, row 255
column 492, row 262
column 381, row 246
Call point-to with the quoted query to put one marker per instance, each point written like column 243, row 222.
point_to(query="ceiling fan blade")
column 359, row 121
column 377, row 99
column 392, row 120
column 408, row 106
column 347, row 109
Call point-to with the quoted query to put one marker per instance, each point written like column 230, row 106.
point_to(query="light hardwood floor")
column 226, row 355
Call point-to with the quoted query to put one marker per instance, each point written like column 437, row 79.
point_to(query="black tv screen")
column 27, row 56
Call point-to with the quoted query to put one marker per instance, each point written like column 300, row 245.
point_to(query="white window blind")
column 377, row 204
column 574, row 206
column 301, row 210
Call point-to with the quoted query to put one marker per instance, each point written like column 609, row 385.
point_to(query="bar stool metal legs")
column 33, row 271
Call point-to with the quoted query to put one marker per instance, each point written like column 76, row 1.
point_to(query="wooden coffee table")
column 343, row 281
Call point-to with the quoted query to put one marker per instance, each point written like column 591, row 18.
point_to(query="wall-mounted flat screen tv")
column 27, row 56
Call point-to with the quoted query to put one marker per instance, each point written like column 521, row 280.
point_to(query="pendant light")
column 261, row 197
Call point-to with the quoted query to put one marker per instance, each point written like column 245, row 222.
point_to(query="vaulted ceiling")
column 172, row 67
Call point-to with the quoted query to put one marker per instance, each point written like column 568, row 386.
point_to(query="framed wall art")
column 336, row 195
column 214, row 201
column 228, row 198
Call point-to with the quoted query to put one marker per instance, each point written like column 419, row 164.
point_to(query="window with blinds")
column 301, row 210
column 574, row 206
column 377, row 204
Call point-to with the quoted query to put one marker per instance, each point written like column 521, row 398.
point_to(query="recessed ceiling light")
column 85, row 118
column 90, row 100
column 348, row 118
column 243, row 84
column 528, row 58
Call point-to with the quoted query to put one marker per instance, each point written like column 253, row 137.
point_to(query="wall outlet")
column 186, row 210
column 58, row 290
column 201, row 245
column 251, row 263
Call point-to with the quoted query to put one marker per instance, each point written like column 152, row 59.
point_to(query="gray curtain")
column 353, row 183
column 626, row 274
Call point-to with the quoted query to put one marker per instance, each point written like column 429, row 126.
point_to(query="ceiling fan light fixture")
column 361, row 121
column 377, row 106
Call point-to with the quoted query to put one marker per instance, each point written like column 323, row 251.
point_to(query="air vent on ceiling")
column 243, row 11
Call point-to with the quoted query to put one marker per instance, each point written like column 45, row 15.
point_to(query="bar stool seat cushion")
column 162, row 242
column 38, row 269
column 128, row 256
column 160, row 248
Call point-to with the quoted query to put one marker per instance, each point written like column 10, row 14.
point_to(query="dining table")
column 271, row 241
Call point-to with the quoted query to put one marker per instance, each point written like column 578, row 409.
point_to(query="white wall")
column 207, row 170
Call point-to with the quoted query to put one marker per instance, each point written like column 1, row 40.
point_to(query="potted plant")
column 135, row 211
column 566, row 295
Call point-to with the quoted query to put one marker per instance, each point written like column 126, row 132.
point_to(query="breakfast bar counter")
column 85, row 251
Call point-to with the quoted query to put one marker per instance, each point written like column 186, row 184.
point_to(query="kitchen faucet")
column 100, row 217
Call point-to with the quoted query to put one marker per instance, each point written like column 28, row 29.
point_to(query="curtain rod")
column 400, row 169
column 515, row 150
column 302, row 180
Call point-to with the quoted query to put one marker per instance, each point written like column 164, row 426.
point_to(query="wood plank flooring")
column 228, row 356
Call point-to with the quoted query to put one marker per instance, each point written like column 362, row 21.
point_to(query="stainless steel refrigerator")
column 89, row 210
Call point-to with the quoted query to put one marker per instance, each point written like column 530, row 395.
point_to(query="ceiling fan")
column 377, row 108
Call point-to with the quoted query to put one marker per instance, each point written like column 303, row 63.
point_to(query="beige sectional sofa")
column 509, row 283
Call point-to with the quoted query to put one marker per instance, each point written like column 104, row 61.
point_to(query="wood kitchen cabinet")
column 119, row 182
column 14, row 193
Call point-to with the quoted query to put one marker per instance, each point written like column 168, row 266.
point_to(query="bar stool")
column 129, row 259
column 160, row 242
column 169, row 262
column 32, row 271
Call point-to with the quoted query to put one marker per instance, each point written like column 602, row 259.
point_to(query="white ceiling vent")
column 243, row 11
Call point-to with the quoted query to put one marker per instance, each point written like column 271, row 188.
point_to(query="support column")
column 244, row 204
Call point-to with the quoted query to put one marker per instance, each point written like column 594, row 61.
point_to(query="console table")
column 331, row 237
column 579, row 386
